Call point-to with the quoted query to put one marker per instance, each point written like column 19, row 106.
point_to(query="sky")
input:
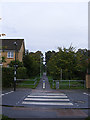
column 46, row 25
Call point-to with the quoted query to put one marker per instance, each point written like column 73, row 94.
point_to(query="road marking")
column 6, row 93
column 55, row 94
column 46, row 99
column 85, row 93
column 20, row 100
column 46, row 103
column 49, row 96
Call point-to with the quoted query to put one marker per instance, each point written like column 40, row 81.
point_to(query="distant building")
column 8, row 50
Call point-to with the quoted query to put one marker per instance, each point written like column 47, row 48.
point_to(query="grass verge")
column 65, row 84
column 28, row 83
column 7, row 118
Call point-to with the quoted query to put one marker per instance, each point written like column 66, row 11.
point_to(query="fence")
column 31, row 81
column 68, row 83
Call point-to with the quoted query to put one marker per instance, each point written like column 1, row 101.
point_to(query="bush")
column 7, row 77
column 18, row 63
column 22, row 73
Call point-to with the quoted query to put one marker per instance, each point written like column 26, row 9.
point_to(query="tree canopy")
column 72, row 63
column 32, row 62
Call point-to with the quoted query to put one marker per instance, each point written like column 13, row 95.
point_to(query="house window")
column 10, row 54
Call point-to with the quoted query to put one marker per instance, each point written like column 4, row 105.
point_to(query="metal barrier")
column 70, row 83
column 35, row 81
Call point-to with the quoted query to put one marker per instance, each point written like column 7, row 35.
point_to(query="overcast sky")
column 46, row 26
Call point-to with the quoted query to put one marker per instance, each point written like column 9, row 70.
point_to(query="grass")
column 26, row 84
column 6, row 118
column 65, row 84
column 88, row 118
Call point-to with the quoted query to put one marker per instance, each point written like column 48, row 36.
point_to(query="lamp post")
column 15, row 67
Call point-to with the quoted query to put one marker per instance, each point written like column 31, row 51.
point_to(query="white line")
column 20, row 99
column 49, row 96
column 54, row 94
column 85, row 93
column 46, row 99
column 46, row 103
column 6, row 93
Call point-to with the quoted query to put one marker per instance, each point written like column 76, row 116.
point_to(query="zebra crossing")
column 47, row 99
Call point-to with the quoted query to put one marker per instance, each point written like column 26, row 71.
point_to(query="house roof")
column 8, row 44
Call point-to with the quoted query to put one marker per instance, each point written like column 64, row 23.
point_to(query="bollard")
column 43, row 84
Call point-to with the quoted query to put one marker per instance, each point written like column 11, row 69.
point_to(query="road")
column 45, row 102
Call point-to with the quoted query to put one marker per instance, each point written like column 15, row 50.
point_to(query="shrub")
column 22, row 73
column 18, row 63
column 7, row 77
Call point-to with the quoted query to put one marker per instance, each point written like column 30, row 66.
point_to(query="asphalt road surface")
column 43, row 102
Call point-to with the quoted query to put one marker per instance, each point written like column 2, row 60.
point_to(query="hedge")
column 8, row 75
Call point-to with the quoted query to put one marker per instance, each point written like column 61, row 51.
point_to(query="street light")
column 15, row 67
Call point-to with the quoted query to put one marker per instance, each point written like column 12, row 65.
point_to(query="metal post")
column 15, row 67
column 61, row 74
column 84, row 83
column 53, row 83
column 40, row 66
column 69, row 83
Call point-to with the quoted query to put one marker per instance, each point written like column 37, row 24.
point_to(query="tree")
column 3, row 59
column 32, row 62
column 72, row 63
column 48, row 55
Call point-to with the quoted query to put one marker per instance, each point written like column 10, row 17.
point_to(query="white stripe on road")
column 55, row 94
column 46, row 99
column 46, row 103
column 6, row 93
column 86, row 94
column 49, row 96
